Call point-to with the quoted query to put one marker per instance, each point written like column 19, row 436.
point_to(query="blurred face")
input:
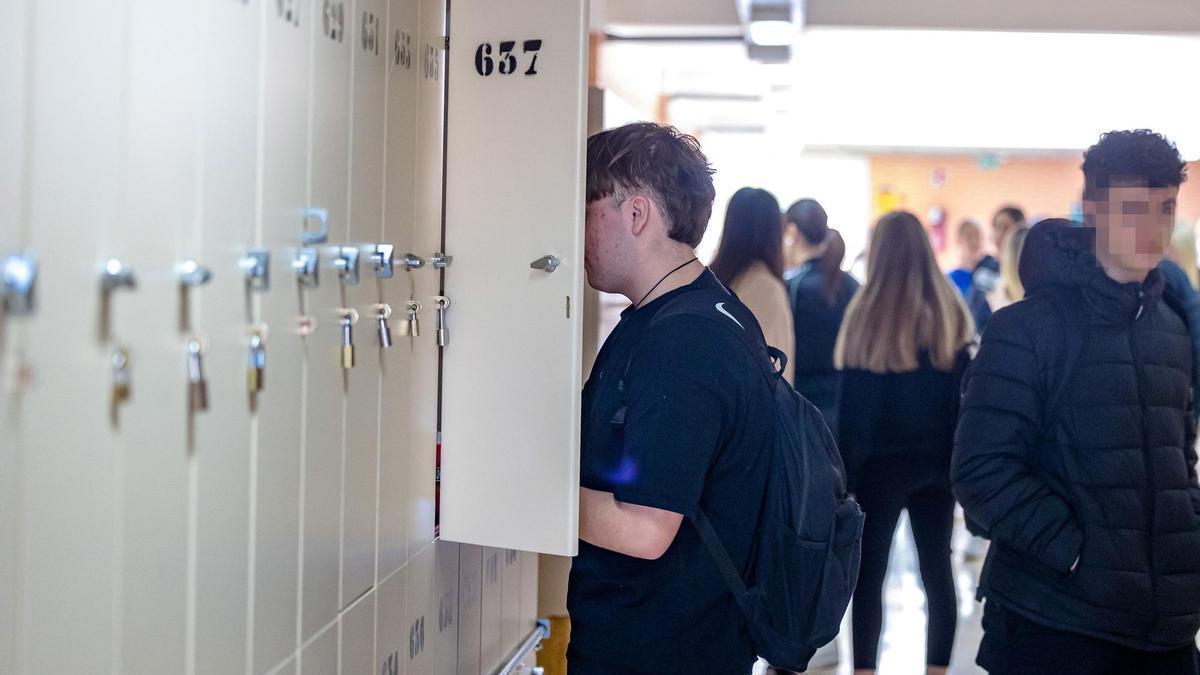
column 971, row 240
column 1001, row 225
column 793, row 242
column 1133, row 225
column 606, row 242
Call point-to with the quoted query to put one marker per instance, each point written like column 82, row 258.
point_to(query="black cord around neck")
column 638, row 304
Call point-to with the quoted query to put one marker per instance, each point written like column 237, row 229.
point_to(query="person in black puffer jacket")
column 1075, row 449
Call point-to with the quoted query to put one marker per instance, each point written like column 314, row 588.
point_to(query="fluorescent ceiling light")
column 772, row 33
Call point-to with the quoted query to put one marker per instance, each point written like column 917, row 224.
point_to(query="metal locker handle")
column 546, row 264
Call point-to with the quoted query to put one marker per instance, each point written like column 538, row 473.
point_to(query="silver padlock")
column 443, row 333
column 121, row 381
column 197, row 385
column 384, row 329
column 412, row 327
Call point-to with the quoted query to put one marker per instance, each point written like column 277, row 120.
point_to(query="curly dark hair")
column 664, row 163
column 1139, row 155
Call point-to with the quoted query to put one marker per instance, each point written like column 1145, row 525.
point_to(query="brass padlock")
column 347, row 342
column 255, row 370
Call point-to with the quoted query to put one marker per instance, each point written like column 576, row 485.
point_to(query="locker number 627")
column 489, row 60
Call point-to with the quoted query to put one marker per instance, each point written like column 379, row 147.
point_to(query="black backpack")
column 805, row 564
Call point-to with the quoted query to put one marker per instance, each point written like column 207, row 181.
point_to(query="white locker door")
column 13, row 238
column 429, row 61
column 422, row 626
column 391, row 636
column 68, row 469
column 511, row 626
column 491, row 647
column 365, row 230
column 358, row 637
column 515, row 172
column 159, row 219
column 444, row 611
column 470, row 608
column 224, row 310
column 281, row 419
column 329, row 161
column 320, row 655
column 529, row 593
column 400, row 161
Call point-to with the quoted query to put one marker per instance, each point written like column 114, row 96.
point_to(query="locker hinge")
column 446, row 43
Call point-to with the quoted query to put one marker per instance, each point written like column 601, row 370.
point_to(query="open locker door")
column 516, row 102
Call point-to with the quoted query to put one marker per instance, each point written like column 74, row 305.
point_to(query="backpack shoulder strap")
column 720, row 556
column 706, row 303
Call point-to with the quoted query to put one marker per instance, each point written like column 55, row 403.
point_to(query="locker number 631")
column 489, row 60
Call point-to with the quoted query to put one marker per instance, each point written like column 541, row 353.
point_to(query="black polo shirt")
column 675, row 416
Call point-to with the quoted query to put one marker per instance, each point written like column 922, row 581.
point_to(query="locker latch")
column 256, row 265
column 383, row 259
column 546, row 263
column 346, row 264
column 191, row 275
column 17, row 283
column 115, row 275
column 306, row 264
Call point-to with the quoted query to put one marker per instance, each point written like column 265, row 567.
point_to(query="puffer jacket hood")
column 1060, row 252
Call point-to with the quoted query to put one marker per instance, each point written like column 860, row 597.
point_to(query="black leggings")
column 887, row 486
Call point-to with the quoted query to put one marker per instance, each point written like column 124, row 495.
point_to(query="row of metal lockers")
column 259, row 258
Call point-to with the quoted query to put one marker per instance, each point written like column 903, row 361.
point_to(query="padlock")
column 197, row 385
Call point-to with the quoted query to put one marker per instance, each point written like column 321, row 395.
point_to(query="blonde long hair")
column 1010, row 263
column 907, row 306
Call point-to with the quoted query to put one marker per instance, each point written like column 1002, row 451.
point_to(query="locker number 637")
column 504, row 61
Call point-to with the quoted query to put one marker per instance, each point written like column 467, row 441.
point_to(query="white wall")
column 931, row 89
column 841, row 182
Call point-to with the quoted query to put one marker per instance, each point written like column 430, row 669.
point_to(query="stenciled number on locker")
column 333, row 20
column 370, row 33
column 416, row 639
column 402, row 49
column 505, row 62
column 288, row 10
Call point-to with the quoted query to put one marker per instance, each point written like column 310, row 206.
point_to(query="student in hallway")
column 1075, row 451
column 1008, row 287
column 677, row 419
column 750, row 261
column 903, row 348
column 819, row 292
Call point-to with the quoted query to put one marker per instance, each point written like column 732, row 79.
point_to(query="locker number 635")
column 504, row 61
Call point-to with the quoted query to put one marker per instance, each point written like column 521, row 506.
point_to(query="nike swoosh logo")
column 721, row 309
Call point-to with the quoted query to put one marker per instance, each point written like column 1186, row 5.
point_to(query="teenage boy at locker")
column 676, row 417
column 1076, row 442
